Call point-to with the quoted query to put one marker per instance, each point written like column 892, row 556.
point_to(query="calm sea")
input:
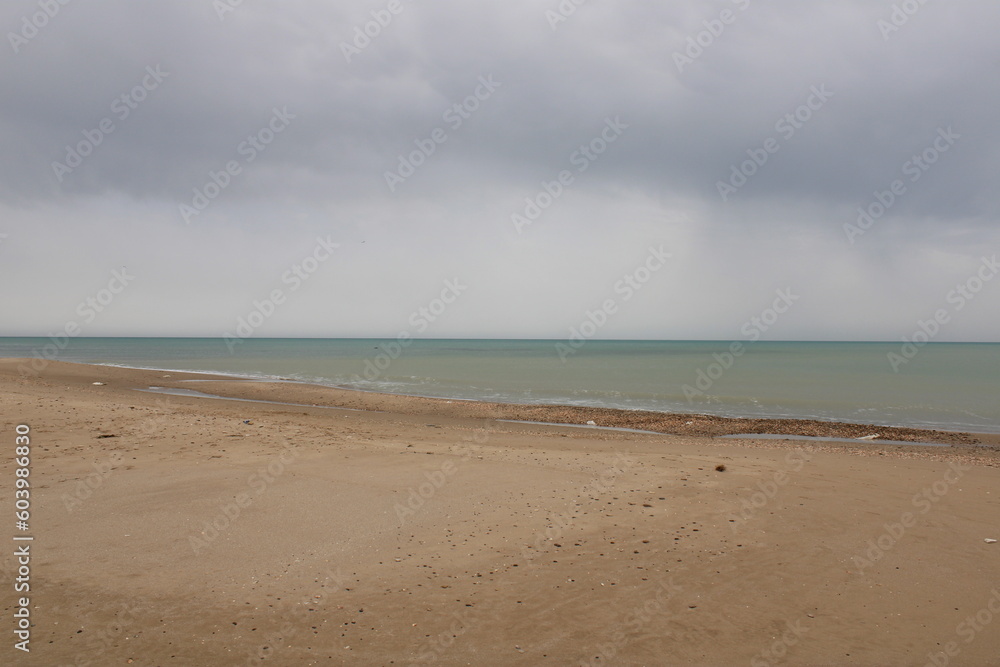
column 952, row 386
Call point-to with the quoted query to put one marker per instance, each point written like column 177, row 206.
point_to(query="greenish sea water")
column 952, row 386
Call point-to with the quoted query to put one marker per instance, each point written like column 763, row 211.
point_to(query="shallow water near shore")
column 946, row 386
column 813, row 438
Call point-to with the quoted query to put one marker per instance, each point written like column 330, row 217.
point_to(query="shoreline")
column 992, row 437
column 909, row 432
column 276, row 390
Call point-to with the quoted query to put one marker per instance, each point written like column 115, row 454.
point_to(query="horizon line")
column 526, row 339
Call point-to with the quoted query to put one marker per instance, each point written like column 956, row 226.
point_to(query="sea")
column 946, row 386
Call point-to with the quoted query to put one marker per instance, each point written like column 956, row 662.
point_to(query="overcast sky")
column 116, row 115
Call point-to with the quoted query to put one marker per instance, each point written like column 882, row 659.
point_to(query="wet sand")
column 388, row 530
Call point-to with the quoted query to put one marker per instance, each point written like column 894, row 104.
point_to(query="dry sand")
column 427, row 532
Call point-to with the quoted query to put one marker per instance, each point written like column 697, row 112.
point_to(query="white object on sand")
column 990, row 541
column 99, row 384
column 591, row 423
column 868, row 437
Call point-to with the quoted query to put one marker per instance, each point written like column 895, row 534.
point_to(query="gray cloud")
column 325, row 173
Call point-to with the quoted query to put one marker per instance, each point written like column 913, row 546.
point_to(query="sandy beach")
column 362, row 529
